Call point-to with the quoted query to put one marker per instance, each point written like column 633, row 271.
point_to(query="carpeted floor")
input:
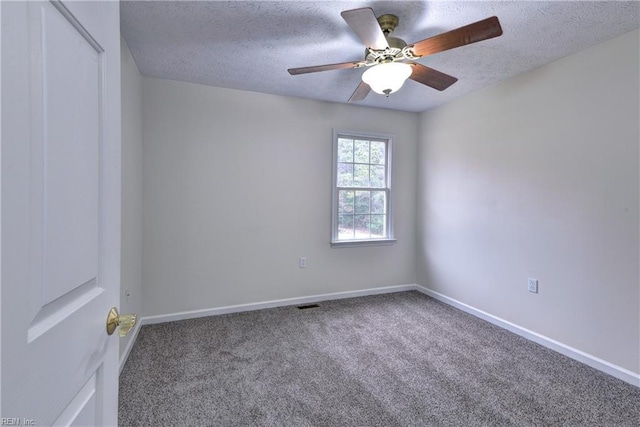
column 399, row 359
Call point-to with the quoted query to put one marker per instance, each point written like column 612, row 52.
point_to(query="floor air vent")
column 304, row 307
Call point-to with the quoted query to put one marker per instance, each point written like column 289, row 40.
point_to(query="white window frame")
column 389, row 239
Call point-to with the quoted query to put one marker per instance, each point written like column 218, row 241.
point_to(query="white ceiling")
column 249, row 45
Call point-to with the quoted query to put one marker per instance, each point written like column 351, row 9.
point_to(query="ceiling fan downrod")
column 388, row 23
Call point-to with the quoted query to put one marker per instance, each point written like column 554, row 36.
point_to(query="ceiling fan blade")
column 430, row 77
column 364, row 23
column 361, row 92
column 327, row 67
column 478, row 31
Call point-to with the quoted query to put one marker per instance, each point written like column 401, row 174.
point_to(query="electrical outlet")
column 303, row 262
column 532, row 284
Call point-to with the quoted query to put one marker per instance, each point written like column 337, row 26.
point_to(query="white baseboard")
column 172, row 317
column 595, row 362
column 134, row 336
column 162, row 318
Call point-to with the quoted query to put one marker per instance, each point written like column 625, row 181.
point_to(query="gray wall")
column 131, row 262
column 237, row 187
column 538, row 177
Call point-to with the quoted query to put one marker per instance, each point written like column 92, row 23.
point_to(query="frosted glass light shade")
column 387, row 78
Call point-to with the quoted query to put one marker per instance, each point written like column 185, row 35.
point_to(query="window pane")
column 377, row 176
column 362, row 227
column 345, row 174
column 345, row 227
column 345, row 201
column 377, row 226
column 378, row 152
column 345, row 150
column 362, row 202
column 362, row 199
column 361, row 175
column 377, row 202
column 361, row 152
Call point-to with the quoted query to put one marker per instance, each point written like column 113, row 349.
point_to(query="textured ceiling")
column 249, row 45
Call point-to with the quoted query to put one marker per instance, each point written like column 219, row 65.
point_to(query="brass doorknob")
column 125, row 321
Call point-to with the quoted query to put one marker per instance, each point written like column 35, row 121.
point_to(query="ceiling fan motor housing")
column 395, row 49
column 388, row 24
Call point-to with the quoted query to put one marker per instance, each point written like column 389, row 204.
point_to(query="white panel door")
column 60, row 221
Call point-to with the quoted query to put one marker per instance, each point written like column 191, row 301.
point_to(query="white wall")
column 538, row 177
column 237, row 186
column 131, row 262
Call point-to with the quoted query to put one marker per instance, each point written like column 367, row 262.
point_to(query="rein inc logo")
column 16, row 422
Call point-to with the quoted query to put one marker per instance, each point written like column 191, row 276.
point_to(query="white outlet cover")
column 532, row 285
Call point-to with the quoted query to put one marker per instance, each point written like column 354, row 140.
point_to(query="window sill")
column 359, row 243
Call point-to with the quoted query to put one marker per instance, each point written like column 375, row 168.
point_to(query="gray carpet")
column 399, row 359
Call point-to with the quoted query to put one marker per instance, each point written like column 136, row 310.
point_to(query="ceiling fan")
column 390, row 60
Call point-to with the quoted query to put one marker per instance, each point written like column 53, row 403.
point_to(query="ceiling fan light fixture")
column 388, row 77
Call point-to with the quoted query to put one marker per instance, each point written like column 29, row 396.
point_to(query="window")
column 361, row 207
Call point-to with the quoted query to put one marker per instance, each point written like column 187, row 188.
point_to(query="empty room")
column 320, row 213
